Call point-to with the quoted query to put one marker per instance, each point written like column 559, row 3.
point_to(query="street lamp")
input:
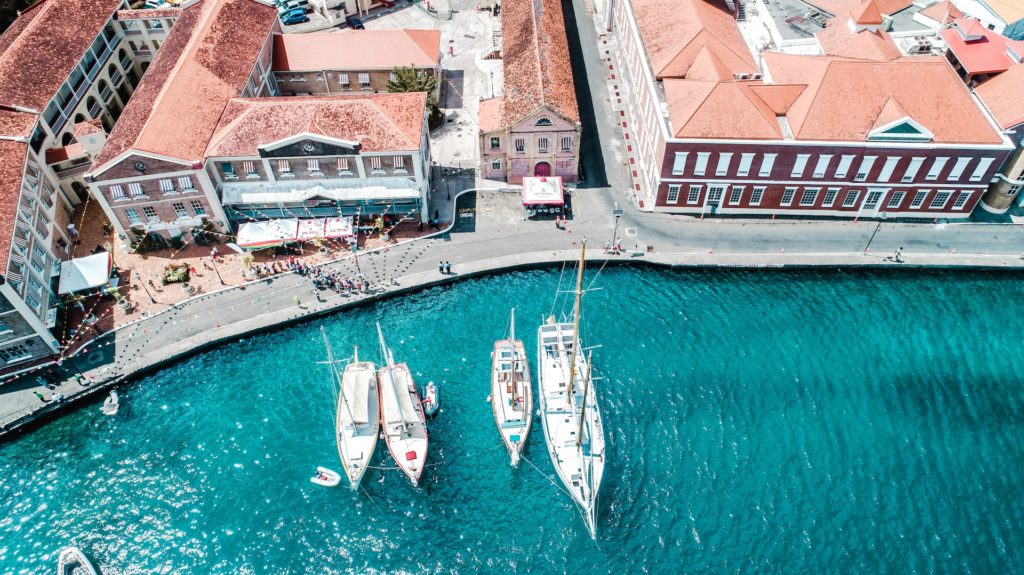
column 139, row 277
column 617, row 212
column 217, row 271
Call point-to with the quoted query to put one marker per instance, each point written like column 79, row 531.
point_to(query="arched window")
column 112, row 70
column 79, row 118
column 122, row 54
column 544, row 122
column 66, row 139
column 145, row 66
column 90, row 104
column 104, row 88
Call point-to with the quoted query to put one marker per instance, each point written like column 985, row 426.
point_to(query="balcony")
column 74, row 170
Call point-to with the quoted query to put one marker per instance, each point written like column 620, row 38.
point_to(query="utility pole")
column 217, row 271
column 873, row 236
column 151, row 298
column 617, row 212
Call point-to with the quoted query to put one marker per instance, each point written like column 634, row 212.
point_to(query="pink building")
column 868, row 134
column 533, row 129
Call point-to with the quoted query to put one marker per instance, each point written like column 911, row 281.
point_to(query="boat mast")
column 576, row 320
column 337, row 380
column 583, row 406
column 515, row 360
column 391, row 371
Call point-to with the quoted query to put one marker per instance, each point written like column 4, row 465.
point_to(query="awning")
column 542, row 191
column 271, row 233
column 79, row 274
column 288, row 197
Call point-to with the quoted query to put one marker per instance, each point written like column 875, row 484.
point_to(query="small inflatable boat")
column 111, row 404
column 325, row 477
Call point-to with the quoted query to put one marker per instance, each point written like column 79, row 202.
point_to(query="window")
column 937, row 165
column 151, row 215
column 375, row 165
column 399, row 163
column 896, row 200
column 735, row 195
column 851, row 198
column 981, row 168
column 766, row 165
column 17, row 352
column 844, row 166
column 392, row 77
column 313, row 165
column 679, row 164
column 135, row 189
column 495, row 164
column 179, row 209
column 131, row 215
column 940, row 199
column 544, row 122
column 822, row 165
column 228, row 169
column 715, row 194
column 343, row 166
column 364, row 80
column 745, row 161
column 198, row 208
column 284, row 169
column 787, row 196
column 35, row 286
column 298, row 78
column 693, row 195
column 166, row 185
column 117, row 192
column 918, row 199
column 911, row 173
column 702, row 163
column 673, row 195
column 520, row 145
column 724, row 159
column 1012, row 190
column 566, row 143
column 958, row 169
column 874, row 196
column 542, row 145
column 185, row 183
column 864, row 169
column 888, row 168
column 809, row 197
column 5, row 329
column 33, row 303
column 830, row 197
column 961, row 200
column 756, row 195
column 343, row 79
column 495, row 143
column 250, row 168
column 799, row 165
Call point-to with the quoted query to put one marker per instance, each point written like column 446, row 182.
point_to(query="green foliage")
column 408, row 79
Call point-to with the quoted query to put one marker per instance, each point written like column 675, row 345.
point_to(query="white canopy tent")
column 271, row 233
column 542, row 191
column 79, row 274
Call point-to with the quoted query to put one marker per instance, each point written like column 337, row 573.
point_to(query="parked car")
column 294, row 16
column 355, row 23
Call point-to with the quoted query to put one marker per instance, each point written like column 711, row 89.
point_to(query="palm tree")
column 409, row 79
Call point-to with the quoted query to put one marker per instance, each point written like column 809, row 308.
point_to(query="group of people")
column 325, row 279
column 445, row 267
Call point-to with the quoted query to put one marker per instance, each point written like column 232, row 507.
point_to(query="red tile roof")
column 490, row 115
column 676, row 33
column 866, row 14
column 1002, row 96
column 15, row 124
column 88, row 127
column 980, row 50
column 205, row 61
column 942, row 12
column 357, row 50
column 55, row 155
column 12, row 167
column 710, row 109
column 837, row 7
column 42, row 47
column 536, row 60
column 380, row 122
column 838, row 40
column 845, row 99
column 148, row 14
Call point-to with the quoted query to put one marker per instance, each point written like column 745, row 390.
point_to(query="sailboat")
column 405, row 428
column 357, row 422
column 569, row 412
column 511, row 392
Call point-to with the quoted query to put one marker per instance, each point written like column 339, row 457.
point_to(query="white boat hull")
column 511, row 396
column 406, row 436
column 358, row 427
column 325, row 477
column 72, row 561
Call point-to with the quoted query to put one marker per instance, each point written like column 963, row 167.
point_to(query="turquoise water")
column 824, row 422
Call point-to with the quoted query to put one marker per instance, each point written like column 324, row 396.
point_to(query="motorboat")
column 111, row 404
column 72, row 561
column 325, row 477
column 402, row 415
column 431, row 400
column 511, row 392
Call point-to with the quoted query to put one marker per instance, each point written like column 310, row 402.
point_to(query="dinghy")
column 325, row 477
column 72, row 561
column 430, row 400
column 111, row 404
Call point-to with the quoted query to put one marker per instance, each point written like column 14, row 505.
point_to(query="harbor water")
column 764, row 422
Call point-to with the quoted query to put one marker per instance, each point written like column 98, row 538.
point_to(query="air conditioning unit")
column 921, row 47
column 756, row 76
column 741, row 76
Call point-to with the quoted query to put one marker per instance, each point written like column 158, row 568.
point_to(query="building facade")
column 1001, row 95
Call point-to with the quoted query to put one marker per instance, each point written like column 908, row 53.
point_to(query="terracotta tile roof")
column 148, row 14
column 845, row 98
column 837, row 7
column 978, row 49
column 1009, row 10
column 709, row 109
column 866, row 14
column 88, row 127
column 1002, row 96
column 357, row 50
column 15, row 124
column 536, row 60
column 205, row 61
column 381, row 122
column 838, row 40
column 778, row 97
column 12, row 166
column 708, row 66
column 490, row 115
column 42, row 47
column 676, row 32
column 55, row 155
column 942, row 12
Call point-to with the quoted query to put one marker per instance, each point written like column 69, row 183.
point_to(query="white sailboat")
column 72, row 561
column 511, row 392
column 357, row 422
column 405, row 428
column 569, row 412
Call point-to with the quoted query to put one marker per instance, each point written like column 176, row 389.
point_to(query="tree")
column 409, row 79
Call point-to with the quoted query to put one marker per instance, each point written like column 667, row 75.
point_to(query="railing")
column 72, row 171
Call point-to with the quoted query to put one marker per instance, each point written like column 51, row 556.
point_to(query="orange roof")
column 778, row 97
column 205, row 61
column 536, row 60
column 357, row 50
column 12, row 167
column 837, row 7
column 88, row 127
column 490, row 115
column 942, row 12
column 980, row 50
column 866, row 14
column 677, row 33
column 15, row 124
column 710, row 109
column 838, row 40
column 845, row 99
column 55, row 155
column 148, row 13
column 379, row 122
column 1001, row 95
column 44, row 44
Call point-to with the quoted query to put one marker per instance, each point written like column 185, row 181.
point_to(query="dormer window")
column 544, row 122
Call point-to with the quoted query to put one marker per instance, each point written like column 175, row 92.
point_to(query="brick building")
column 533, row 128
column 356, row 61
column 1002, row 96
column 868, row 134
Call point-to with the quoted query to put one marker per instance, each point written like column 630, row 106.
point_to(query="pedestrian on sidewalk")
column 898, row 256
column 437, row 215
column 41, row 397
column 440, row 268
column 447, row 267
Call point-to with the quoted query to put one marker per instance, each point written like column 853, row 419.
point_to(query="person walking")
column 898, row 256
column 447, row 267
column 440, row 268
